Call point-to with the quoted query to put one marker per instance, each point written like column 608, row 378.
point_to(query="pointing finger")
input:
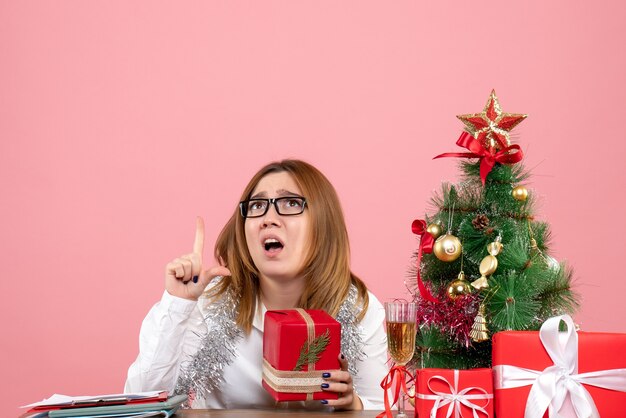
column 198, row 244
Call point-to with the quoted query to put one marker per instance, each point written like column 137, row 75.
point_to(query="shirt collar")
column 259, row 315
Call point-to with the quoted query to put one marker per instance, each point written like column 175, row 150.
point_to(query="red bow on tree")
column 426, row 246
column 488, row 158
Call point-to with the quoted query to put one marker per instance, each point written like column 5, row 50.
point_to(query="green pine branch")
column 310, row 353
column 557, row 296
column 513, row 305
column 434, row 349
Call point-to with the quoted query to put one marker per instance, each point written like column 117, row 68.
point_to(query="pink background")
column 120, row 121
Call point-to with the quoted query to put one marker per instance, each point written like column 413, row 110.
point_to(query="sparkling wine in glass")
column 400, row 318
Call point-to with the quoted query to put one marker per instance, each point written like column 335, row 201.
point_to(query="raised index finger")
column 198, row 244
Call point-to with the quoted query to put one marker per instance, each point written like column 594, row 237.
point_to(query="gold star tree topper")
column 492, row 126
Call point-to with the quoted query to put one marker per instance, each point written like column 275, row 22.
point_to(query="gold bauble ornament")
column 447, row 248
column 520, row 193
column 459, row 287
column 434, row 230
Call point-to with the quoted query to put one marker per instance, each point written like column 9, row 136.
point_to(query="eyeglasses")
column 285, row 206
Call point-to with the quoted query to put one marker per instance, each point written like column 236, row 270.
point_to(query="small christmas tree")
column 483, row 264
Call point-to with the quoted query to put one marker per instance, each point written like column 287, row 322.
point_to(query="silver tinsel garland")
column 204, row 371
column 351, row 337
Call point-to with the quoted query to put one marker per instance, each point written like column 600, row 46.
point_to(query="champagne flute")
column 400, row 318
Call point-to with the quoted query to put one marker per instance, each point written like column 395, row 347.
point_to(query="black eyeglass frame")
column 272, row 201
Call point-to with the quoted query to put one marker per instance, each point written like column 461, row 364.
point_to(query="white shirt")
column 171, row 333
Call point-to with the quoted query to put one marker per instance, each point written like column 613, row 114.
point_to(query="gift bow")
column 399, row 373
column 455, row 399
column 551, row 386
column 426, row 247
column 488, row 158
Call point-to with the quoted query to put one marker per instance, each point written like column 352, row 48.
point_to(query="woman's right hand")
column 184, row 276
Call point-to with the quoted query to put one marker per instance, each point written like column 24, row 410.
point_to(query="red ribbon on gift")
column 488, row 158
column 399, row 373
column 426, row 246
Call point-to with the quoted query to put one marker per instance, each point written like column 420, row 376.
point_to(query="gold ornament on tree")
column 459, row 287
column 536, row 252
column 489, row 264
column 479, row 331
column 520, row 193
column 448, row 247
column 434, row 229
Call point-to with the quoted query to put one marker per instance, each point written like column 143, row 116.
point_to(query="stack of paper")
column 136, row 405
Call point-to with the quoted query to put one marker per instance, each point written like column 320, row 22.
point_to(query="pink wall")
column 121, row 121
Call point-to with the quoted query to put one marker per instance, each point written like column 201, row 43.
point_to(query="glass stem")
column 401, row 413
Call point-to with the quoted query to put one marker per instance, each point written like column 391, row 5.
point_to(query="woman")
column 285, row 247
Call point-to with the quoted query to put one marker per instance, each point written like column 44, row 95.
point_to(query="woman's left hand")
column 341, row 383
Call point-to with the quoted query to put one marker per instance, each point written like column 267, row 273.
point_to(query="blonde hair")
column 327, row 265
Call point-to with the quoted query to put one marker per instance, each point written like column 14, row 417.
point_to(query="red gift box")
column 553, row 355
column 454, row 393
column 289, row 373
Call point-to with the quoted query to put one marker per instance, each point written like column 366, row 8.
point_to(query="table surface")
column 267, row 413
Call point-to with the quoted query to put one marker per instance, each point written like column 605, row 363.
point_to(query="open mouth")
column 272, row 245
